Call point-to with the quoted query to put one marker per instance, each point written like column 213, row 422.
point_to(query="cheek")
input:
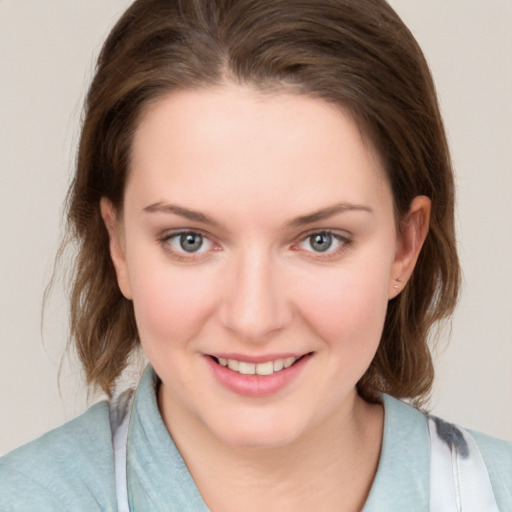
column 347, row 306
column 169, row 303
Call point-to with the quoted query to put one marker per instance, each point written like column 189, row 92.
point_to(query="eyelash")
column 165, row 240
column 344, row 243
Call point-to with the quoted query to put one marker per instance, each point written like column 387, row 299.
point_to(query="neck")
column 331, row 467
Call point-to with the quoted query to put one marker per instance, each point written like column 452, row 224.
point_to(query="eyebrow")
column 180, row 211
column 330, row 211
column 316, row 216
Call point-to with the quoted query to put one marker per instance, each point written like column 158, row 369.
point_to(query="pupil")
column 191, row 242
column 321, row 242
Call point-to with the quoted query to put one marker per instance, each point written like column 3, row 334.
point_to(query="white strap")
column 120, row 413
column 459, row 481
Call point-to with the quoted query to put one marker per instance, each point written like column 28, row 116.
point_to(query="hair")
column 357, row 54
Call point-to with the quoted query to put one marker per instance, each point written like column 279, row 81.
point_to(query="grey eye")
column 191, row 242
column 321, row 242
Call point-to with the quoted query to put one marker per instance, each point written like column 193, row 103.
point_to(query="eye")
column 320, row 242
column 190, row 242
column 187, row 242
column 324, row 242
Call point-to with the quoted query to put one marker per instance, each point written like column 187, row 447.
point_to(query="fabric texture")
column 72, row 469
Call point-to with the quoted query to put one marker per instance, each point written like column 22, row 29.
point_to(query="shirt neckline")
column 158, row 476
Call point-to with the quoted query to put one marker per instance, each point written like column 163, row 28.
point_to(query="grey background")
column 47, row 51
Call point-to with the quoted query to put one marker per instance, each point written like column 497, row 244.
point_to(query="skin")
column 258, row 287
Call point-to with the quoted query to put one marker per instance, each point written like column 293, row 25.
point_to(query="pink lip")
column 256, row 359
column 256, row 385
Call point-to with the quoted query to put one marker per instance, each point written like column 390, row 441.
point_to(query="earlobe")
column 116, row 245
column 414, row 230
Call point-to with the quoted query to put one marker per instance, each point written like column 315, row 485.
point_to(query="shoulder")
column 497, row 455
column 408, row 430
column 403, row 417
column 69, row 468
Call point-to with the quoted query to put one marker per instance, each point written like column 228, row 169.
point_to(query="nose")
column 255, row 305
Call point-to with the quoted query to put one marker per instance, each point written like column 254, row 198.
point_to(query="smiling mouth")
column 263, row 369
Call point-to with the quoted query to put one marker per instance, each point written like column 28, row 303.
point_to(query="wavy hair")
column 354, row 53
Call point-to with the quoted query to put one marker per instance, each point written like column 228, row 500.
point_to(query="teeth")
column 278, row 365
column 267, row 368
column 233, row 364
column 289, row 361
column 246, row 368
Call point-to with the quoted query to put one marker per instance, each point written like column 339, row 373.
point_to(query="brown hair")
column 354, row 53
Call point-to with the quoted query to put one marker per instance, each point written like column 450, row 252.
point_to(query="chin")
column 257, row 434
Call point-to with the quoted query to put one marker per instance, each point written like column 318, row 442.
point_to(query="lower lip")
column 256, row 385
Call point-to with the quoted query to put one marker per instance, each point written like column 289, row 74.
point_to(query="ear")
column 117, row 245
column 412, row 235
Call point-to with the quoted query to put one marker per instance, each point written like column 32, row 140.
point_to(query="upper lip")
column 257, row 359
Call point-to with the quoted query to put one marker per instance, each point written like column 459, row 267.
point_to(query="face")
column 258, row 243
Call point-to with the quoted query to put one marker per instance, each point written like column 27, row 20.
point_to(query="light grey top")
column 72, row 469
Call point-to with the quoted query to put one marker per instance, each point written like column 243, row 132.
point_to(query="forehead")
column 234, row 142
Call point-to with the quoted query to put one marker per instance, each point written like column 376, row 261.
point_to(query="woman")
column 263, row 203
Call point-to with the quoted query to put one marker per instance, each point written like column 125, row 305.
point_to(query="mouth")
column 264, row 369
column 257, row 377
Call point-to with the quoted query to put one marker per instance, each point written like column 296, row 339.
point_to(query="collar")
column 159, row 479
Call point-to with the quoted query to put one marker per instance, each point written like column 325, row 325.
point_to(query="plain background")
column 47, row 52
